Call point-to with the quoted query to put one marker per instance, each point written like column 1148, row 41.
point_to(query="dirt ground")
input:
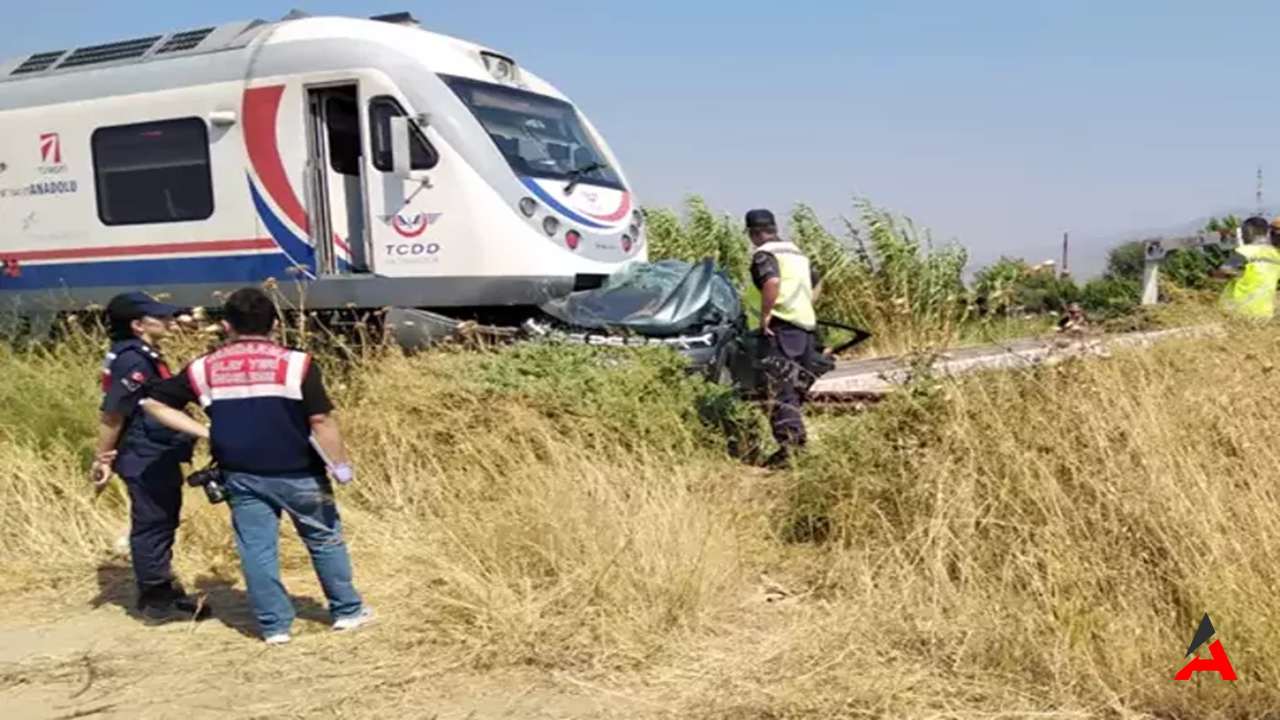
column 76, row 653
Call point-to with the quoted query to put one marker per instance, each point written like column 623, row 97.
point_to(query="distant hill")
column 1193, row 226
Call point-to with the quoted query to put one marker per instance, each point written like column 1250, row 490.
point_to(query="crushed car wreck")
column 693, row 308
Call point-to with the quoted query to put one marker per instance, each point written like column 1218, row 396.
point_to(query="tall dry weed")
column 1013, row 544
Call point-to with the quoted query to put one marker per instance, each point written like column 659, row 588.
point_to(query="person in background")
column 147, row 455
column 1073, row 320
column 1254, row 271
column 788, row 287
column 266, row 404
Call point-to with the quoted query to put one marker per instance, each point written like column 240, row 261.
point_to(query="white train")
column 374, row 163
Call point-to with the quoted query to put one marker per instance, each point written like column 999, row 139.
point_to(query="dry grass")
column 1004, row 546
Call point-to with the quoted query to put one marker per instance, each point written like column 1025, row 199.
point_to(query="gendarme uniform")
column 1252, row 295
column 793, row 322
column 127, row 367
column 149, row 456
column 260, row 397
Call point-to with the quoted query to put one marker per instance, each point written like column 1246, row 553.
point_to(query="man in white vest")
column 787, row 285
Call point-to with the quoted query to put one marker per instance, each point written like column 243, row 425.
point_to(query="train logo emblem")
column 50, row 149
column 413, row 225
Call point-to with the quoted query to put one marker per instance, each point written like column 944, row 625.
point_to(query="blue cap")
column 128, row 307
column 760, row 219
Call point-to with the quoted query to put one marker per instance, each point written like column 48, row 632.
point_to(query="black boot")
column 780, row 460
column 167, row 603
column 785, row 457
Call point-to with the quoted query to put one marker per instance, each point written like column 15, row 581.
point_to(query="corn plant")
column 702, row 234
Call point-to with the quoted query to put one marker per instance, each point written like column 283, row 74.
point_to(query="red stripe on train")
column 83, row 253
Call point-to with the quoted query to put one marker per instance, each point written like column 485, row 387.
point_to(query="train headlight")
column 502, row 68
column 637, row 218
column 550, row 225
column 626, row 243
column 528, row 206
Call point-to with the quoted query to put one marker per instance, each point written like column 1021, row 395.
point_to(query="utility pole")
column 1151, row 271
column 1259, row 196
column 1066, row 269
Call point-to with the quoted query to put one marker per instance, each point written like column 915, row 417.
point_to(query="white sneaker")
column 364, row 617
column 277, row 639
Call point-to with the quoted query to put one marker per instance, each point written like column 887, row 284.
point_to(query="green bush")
column 1125, row 261
column 1186, row 268
column 1109, row 296
column 1011, row 285
column 1190, row 269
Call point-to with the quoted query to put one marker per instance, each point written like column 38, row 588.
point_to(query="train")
column 362, row 163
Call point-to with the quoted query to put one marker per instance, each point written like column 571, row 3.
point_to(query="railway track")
column 867, row 380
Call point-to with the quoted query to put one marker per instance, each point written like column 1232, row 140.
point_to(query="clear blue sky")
column 1001, row 123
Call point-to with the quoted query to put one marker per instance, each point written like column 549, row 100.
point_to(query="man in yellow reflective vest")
column 788, row 287
column 1254, row 269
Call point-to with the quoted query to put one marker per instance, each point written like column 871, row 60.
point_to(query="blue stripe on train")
column 545, row 197
column 300, row 250
column 302, row 253
column 152, row 274
column 157, row 273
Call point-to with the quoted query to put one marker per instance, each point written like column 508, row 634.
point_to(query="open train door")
column 336, row 180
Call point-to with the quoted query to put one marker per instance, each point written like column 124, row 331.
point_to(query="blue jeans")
column 256, row 503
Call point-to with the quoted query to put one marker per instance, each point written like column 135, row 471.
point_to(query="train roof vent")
column 228, row 36
column 399, row 18
column 38, row 62
column 184, row 40
column 109, row 52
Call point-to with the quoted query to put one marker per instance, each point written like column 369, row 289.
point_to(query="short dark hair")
column 1254, row 228
column 250, row 311
column 120, row 329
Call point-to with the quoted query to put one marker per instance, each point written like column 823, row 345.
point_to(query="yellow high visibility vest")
column 1253, row 293
column 795, row 291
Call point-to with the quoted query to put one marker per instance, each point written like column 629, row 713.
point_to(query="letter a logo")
column 1219, row 663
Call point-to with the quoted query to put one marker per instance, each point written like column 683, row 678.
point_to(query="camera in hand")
column 210, row 480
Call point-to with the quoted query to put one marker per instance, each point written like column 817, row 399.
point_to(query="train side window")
column 153, row 172
column 422, row 156
column 343, row 117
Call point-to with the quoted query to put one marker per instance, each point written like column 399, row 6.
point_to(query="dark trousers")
column 789, row 344
column 155, row 502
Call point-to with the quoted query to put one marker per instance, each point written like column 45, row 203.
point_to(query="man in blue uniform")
column 147, row 455
column 788, row 287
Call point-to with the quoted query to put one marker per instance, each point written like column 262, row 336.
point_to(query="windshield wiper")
column 575, row 175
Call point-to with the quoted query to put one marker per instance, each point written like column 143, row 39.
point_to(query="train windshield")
column 540, row 136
